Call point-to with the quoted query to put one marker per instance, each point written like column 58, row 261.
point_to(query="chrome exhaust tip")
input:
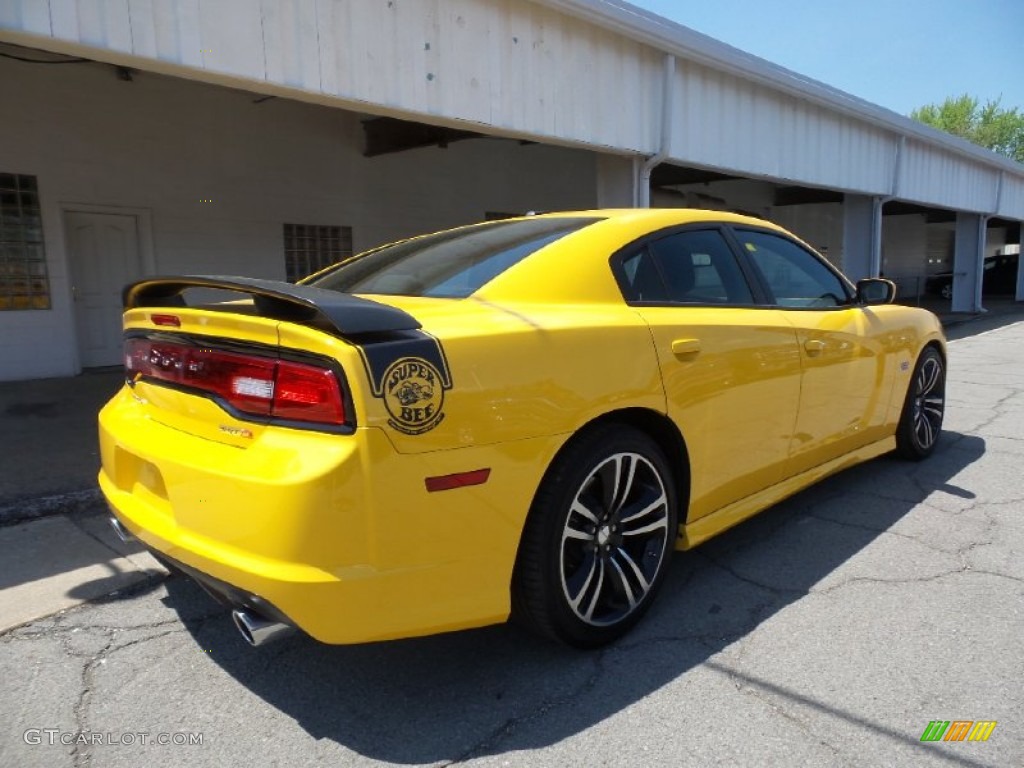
column 120, row 530
column 256, row 630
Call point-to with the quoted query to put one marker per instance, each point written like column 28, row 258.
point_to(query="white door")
column 103, row 250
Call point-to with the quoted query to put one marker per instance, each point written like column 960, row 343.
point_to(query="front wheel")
column 598, row 540
column 924, row 407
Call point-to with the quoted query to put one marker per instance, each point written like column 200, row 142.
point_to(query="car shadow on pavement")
column 491, row 691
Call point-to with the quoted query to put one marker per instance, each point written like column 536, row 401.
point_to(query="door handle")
column 684, row 348
column 814, row 346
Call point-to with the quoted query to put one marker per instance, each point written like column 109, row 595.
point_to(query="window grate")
column 308, row 248
column 24, row 283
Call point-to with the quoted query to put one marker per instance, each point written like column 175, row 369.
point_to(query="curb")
column 44, row 506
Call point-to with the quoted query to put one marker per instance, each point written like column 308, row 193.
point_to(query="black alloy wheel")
column 599, row 538
column 924, row 408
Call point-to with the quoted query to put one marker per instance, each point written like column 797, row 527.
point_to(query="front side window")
column 692, row 267
column 452, row 264
column 796, row 277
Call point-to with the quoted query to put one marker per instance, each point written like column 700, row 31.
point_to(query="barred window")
column 23, row 280
column 308, row 248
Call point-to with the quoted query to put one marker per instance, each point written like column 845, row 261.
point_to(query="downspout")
column 643, row 196
column 983, row 238
column 979, row 299
column 897, row 168
column 875, row 266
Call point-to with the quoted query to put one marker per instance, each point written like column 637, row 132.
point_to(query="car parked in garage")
column 999, row 278
column 519, row 417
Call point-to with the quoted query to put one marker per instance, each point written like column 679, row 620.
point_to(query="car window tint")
column 451, row 264
column 643, row 280
column 694, row 267
column 795, row 276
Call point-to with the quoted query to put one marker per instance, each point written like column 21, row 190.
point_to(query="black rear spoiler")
column 337, row 313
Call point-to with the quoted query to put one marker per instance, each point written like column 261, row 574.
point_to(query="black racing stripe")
column 381, row 351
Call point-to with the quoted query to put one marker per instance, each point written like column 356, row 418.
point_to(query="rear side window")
column 452, row 264
column 693, row 267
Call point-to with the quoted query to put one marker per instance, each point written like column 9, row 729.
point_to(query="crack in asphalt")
column 711, row 641
column 777, row 591
column 998, row 574
column 910, row 580
column 80, row 755
column 496, row 736
column 900, row 535
column 776, row 690
column 996, row 409
column 61, row 628
column 499, row 734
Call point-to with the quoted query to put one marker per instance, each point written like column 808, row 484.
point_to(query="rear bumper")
column 226, row 594
column 336, row 532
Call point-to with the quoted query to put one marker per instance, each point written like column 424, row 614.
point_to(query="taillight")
column 307, row 393
column 260, row 386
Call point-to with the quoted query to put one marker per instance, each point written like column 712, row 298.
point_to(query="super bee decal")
column 409, row 372
column 413, row 395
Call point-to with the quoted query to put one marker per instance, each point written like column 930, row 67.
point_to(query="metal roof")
column 670, row 37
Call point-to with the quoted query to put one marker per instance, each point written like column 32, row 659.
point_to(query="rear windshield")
column 451, row 264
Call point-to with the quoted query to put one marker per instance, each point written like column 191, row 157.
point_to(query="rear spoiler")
column 340, row 314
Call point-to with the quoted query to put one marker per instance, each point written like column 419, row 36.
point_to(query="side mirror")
column 876, row 290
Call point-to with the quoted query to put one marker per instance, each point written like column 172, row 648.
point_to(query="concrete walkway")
column 61, row 561
column 56, row 547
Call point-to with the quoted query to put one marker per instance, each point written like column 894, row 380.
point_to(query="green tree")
column 988, row 125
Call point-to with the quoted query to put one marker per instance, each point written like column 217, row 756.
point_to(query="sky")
column 900, row 54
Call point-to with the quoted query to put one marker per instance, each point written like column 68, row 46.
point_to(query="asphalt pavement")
column 829, row 630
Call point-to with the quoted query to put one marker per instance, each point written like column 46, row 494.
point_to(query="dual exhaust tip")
column 120, row 530
column 255, row 629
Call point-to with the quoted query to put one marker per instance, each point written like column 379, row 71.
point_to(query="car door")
column 846, row 372
column 731, row 368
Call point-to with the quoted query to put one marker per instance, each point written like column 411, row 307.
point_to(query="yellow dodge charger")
column 522, row 418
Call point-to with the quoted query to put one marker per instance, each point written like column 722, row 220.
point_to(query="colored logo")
column 414, row 395
column 958, row 730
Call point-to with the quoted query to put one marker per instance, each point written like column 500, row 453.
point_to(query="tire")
column 924, row 407
column 598, row 539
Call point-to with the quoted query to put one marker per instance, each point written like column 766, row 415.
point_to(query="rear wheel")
column 597, row 542
column 924, row 408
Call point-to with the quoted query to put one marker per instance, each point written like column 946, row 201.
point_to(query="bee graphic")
column 412, row 392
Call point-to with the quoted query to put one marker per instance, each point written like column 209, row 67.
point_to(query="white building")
column 267, row 138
